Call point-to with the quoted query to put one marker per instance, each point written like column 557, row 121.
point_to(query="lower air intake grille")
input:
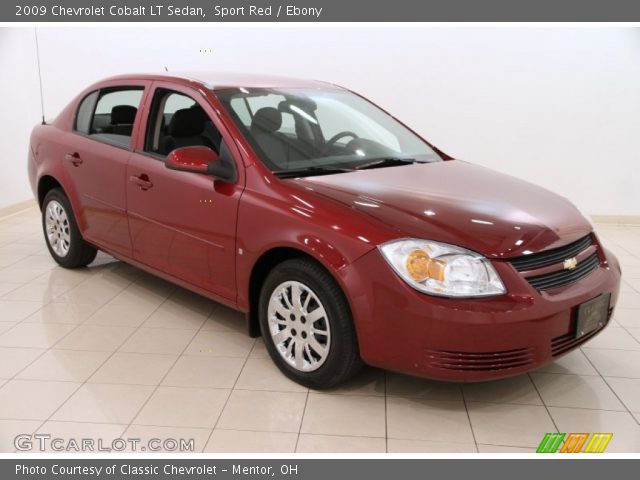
column 567, row 342
column 489, row 361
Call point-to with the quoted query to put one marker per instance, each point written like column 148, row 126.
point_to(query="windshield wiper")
column 310, row 171
column 386, row 162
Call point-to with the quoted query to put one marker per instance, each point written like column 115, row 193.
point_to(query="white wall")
column 557, row 106
column 19, row 111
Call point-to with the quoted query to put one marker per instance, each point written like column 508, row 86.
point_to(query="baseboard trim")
column 617, row 219
column 16, row 207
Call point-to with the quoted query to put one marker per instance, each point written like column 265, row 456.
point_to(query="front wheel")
column 64, row 241
column 306, row 324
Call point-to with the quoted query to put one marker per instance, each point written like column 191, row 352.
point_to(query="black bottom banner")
column 320, row 469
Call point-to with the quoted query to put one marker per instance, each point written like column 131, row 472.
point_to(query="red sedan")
column 343, row 236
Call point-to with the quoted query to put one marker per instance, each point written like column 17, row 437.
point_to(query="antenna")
column 35, row 32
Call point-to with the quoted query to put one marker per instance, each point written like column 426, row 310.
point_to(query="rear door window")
column 113, row 116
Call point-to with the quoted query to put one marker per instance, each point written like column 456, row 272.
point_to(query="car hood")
column 459, row 203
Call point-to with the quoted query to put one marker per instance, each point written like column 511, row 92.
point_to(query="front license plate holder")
column 592, row 315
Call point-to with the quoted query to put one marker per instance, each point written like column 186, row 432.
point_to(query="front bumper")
column 407, row 331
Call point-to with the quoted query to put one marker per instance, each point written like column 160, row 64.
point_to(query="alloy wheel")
column 299, row 326
column 57, row 228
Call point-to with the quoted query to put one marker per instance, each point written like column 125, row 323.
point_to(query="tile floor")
column 109, row 351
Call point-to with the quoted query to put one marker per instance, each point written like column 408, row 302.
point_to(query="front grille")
column 549, row 257
column 489, row 361
column 564, row 277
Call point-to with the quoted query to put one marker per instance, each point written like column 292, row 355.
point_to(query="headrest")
column 187, row 122
column 123, row 114
column 303, row 103
column 268, row 119
column 284, row 106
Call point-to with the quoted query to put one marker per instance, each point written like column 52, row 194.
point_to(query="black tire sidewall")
column 343, row 358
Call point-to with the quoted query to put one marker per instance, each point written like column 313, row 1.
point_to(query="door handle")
column 142, row 181
column 74, row 158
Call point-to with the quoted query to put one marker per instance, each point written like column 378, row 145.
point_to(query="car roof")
column 224, row 80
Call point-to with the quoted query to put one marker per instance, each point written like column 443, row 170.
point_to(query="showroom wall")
column 19, row 110
column 557, row 106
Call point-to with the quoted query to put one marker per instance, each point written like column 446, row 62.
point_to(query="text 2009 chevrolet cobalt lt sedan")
column 343, row 236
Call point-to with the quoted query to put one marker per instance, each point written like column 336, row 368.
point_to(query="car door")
column 183, row 223
column 96, row 162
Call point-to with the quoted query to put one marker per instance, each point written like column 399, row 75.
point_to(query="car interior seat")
column 122, row 118
column 264, row 125
column 186, row 129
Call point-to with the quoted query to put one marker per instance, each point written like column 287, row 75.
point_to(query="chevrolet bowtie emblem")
column 570, row 263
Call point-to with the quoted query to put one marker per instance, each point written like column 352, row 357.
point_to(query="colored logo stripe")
column 550, row 443
column 598, row 442
column 574, row 443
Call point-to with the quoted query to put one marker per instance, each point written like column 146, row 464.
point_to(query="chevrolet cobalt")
column 342, row 235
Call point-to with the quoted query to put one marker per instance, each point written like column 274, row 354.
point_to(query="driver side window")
column 175, row 121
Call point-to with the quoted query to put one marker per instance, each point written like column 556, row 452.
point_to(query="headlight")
column 442, row 269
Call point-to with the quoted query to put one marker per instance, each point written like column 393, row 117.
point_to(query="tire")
column 61, row 233
column 320, row 351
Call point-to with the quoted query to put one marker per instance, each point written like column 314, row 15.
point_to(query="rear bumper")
column 471, row 339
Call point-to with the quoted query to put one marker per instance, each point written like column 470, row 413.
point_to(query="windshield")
column 316, row 131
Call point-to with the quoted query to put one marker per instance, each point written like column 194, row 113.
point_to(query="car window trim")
column 104, row 142
column 146, row 134
column 154, row 156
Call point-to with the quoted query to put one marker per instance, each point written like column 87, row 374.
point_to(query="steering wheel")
column 337, row 137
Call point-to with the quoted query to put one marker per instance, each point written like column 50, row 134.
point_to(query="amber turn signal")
column 418, row 265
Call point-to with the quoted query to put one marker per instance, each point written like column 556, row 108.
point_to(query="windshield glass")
column 321, row 129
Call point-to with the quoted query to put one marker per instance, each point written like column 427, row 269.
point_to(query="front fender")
column 284, row 217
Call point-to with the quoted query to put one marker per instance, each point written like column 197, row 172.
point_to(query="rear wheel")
column 307, row 326
column 61, row 233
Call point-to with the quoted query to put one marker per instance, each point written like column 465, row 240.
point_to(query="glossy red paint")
column 191, row 159
column 401, row 329
column 208, row 235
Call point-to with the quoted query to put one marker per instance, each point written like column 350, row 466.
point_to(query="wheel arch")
column 261, row 268
column 45, row 185
column 48, row 182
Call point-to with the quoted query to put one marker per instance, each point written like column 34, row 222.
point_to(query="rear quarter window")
column 85, row 112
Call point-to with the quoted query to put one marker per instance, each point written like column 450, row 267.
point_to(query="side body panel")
column 91, row 172
column 99, row 184
column 182, row 223
column 277, row 213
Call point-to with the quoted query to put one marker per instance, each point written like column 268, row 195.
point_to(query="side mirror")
column 191, row 159
column 200, row 160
